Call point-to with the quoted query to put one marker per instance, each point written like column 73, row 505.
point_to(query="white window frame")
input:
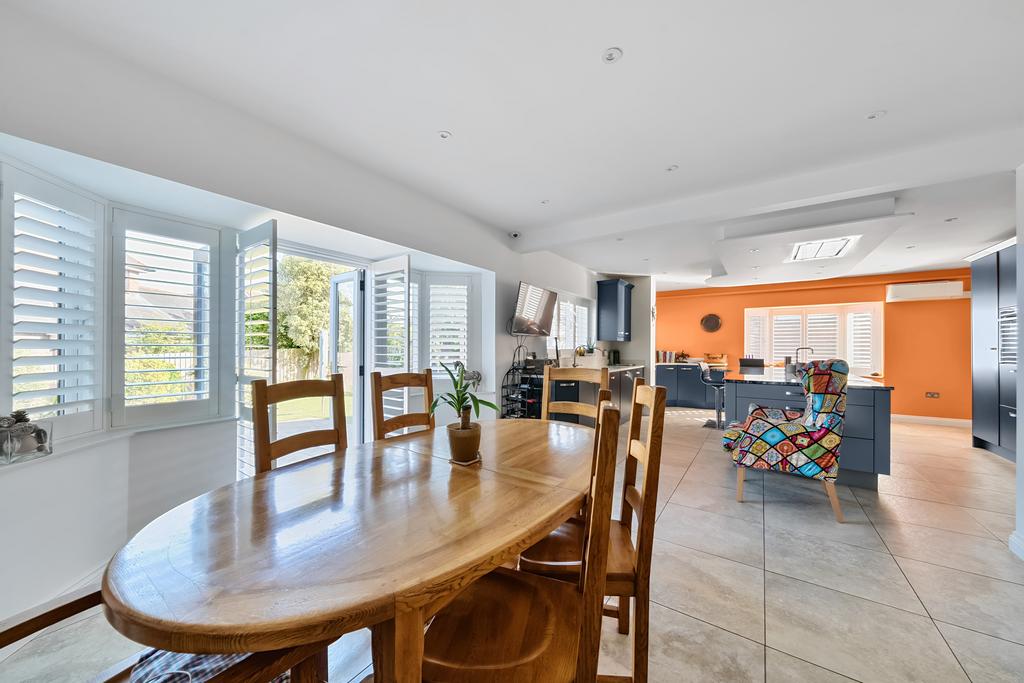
column 18, row 179
column 133, row 218
column 875, row 308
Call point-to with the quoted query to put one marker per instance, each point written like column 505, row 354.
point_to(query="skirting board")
column 925, row 420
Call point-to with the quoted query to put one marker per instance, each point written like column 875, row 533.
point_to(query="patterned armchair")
column 804, row 444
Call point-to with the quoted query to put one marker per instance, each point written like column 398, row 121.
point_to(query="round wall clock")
column 711, row 323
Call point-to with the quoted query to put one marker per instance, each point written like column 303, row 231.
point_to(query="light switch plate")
column 931, row 394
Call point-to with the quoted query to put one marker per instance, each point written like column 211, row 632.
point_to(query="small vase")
column 464, row 443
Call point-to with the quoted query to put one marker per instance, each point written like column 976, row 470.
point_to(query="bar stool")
column 719, row 387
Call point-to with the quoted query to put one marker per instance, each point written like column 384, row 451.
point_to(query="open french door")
column 346, row 344
column 392, row 330
column 256, row 329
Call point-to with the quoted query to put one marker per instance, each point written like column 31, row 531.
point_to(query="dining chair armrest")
column 47, row 614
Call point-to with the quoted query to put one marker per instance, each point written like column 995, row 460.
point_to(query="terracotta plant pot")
column 464, row 443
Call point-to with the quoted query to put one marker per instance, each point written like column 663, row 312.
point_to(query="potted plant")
column 463, row 436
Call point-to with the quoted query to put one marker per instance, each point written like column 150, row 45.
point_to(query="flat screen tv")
column 535, row 309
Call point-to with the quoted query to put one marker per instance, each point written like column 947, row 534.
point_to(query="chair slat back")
column 596, row 376
column 401, row 380
column 265, row 395
column 595, row 540
column 641, row 498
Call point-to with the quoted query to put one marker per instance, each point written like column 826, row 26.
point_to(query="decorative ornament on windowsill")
column 22, row 439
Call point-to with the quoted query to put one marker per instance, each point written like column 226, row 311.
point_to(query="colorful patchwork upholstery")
column 806, row 444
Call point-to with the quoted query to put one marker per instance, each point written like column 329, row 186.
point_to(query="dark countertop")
column 780, row 376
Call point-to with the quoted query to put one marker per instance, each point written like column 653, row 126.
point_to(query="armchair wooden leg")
column 830, row 489
column 740, row 474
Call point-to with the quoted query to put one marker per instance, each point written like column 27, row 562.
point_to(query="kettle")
column 613, row 357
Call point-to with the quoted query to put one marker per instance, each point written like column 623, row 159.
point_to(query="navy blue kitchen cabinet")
column 614, row 310
column 994, row 352
column 684, row 387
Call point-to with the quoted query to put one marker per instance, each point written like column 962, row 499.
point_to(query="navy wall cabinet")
column 994, row 352
column 614, row 310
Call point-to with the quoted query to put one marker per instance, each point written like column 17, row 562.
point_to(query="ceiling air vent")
column 925, row 291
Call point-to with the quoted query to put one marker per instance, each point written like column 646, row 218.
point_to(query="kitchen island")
column 865, row 451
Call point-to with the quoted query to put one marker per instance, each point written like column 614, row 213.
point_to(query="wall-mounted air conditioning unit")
column 925, row 291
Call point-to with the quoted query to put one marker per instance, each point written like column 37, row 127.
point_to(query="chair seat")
column 161, row 666
column 509, row 626
column 558, row 555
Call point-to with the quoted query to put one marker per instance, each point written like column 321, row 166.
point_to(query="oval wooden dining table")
column 379, row 535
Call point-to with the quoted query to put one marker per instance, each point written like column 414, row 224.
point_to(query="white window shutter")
column 448, row 312
column 582, row 325
column 823, row 335
column 55, row 239
column 787, row 335
column 167, row 309
column 755, row 334
column 860, row 341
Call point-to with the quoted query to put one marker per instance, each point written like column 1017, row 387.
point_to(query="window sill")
column 108, row 436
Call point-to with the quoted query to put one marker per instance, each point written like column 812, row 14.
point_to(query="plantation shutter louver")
column 391, row 318
column 255, row 331
column 754, row 345
column 787, row 335
column 582, row 325
column 860, row 340
column 566, row 324
column 414, row 326
column 823, row 335
column 166, row 319
column 55, row 361
column 449, row 324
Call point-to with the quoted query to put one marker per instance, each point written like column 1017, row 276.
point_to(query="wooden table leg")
column 312, row 669
column 398, row 648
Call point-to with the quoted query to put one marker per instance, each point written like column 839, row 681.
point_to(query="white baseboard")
column 926, row 420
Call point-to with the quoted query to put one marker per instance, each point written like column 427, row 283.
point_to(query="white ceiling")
column 733, row 93
column 137, row 189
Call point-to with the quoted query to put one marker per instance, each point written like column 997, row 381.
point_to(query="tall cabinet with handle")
column 994, row 351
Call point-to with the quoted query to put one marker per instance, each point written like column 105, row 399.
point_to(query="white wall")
column 1017, row 537
column 65, row 515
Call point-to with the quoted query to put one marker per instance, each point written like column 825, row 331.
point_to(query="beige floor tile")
column 685, row 649
column 721, row 500
column 74, row 653
column 783, row 668
column 727, row 537
column 986, row 659
column 858, row 571
column 855, row 637
column 812, row 515
column 881, row 508
column 999, row 525
column 719, row 591
column 981, row 499
column 976, row 602
column 720, row 472
column 957, row 551
column 975, row 480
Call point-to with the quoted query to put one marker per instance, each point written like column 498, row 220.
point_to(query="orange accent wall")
column 927, row 344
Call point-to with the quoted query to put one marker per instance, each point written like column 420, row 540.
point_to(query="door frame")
column 358, row 278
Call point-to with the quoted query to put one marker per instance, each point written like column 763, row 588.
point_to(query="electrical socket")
column 931, row 394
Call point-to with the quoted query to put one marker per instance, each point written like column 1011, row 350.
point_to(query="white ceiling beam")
column 942, row 162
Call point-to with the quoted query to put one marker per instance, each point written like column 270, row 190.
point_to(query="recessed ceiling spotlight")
column 756, row 278
column 611, row 55
column 673, row 167
column 755, row 267
column 876, row 114
column 911, row 246
column 951, row 219
column 620, row 239
column 754, row 251
column 444, row 134
column 545, row 202
column 645, row 259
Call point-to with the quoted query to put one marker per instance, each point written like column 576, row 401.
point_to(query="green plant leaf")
column 487, row 403
column 476, row 404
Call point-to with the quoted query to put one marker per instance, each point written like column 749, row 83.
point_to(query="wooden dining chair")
column 306, row 664
column 513, row 626
column 402, row 380
column 595, row 376
column 265, row 395
column 629, row 558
